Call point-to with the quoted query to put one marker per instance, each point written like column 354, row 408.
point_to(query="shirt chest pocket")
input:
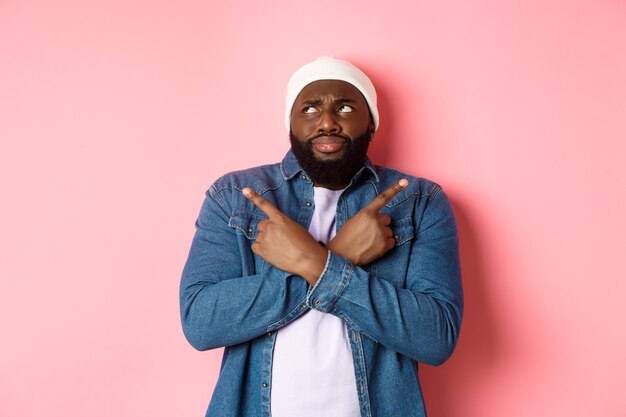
column 403, row 230
column 394, row 264
column 246, row 222
column 246, row 225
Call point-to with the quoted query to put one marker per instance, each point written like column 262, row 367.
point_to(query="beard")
column 335, row 174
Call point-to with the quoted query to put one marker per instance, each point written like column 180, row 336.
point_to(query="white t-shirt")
column 312, row 370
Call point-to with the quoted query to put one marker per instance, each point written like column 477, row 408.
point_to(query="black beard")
column 332, row 174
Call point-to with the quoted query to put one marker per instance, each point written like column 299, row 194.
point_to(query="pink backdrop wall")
column 116, row 116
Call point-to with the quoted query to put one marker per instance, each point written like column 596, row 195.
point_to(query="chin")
column 336, row 156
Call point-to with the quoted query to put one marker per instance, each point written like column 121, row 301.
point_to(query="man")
column 325, row 277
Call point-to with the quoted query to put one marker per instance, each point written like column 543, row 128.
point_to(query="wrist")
column 336, row 248
column 313, row 266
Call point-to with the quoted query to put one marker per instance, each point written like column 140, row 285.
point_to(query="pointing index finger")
column 383, row 198
column 264, row 205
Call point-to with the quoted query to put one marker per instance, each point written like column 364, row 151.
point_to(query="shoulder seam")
column 432, row 194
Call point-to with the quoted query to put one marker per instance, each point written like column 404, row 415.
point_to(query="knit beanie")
column 329, row 68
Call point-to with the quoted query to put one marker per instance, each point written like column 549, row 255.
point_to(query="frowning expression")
column 327, row 114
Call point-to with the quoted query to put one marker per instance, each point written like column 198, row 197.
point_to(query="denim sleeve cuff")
column 331, row 283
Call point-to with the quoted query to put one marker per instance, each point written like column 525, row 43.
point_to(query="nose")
column 327, row 123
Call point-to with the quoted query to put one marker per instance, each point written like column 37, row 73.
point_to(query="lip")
column 328, row 144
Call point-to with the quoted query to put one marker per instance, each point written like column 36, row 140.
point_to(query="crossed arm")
column 223, row 302
column 288, row 246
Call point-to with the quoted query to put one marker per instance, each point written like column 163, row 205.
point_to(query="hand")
column 367, row 236
column 286, row 244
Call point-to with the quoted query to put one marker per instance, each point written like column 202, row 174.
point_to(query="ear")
column 371, row 127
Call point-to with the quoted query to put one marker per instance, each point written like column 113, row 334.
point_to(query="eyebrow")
column 345, row 100
column 317, row 101
column 312, row 102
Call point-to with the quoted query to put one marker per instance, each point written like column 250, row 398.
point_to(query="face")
column 331, row 128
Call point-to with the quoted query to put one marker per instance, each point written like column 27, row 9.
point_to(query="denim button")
column 308, row 204
column 249, row 230
column 317, row 302
column 264, row 385
column 303, row 306
column 303, row 177
column 269, row 333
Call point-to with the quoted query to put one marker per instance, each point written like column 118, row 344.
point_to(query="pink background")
column 115, row 116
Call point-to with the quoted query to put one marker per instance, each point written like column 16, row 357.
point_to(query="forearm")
column 418, row 324
column 227, row 294
column 411, row 299
column 235, row 310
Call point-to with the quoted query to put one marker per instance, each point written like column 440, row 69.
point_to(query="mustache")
column 329, row 135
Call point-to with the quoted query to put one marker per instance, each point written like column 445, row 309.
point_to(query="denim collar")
column 290, row 168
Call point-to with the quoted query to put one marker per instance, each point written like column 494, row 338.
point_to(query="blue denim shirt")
column 401, row 309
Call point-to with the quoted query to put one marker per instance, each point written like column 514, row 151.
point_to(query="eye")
column 309, row 109
column 344, row 108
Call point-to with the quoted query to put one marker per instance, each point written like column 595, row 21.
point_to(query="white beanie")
column 329, row 68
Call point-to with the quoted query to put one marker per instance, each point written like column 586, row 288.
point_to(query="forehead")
column 330, row 88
